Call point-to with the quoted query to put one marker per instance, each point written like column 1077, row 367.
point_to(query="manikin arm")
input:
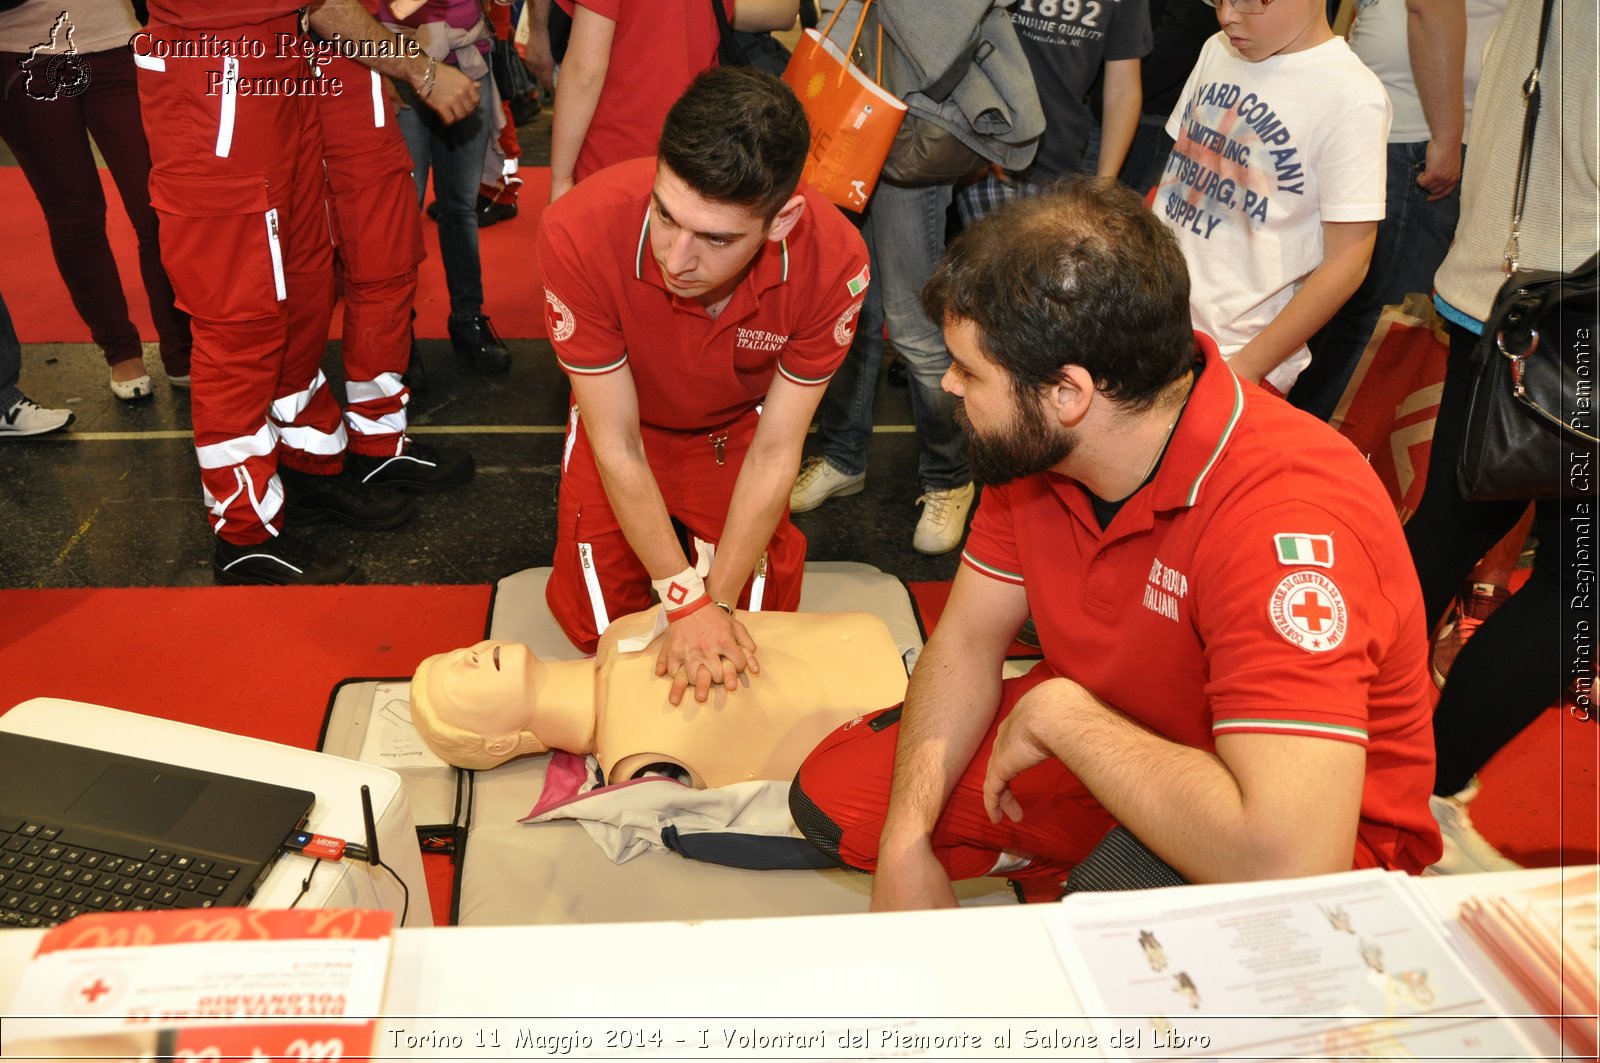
column 952, row 699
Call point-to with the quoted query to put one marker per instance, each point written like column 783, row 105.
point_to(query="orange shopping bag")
column 853, row 118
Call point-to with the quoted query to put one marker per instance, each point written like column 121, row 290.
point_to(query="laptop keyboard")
column 46, row 878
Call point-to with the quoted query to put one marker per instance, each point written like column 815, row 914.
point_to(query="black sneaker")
column 474, row 340
column 284, row 560
column 420, row 469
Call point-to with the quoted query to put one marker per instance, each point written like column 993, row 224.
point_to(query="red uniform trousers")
column 847, row 779
column 504, row 157
column 237, row 180
column 378, row 238
column 597, row 577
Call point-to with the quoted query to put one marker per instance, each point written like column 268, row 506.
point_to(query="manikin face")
column 703, row 247
column 483, row 688
column 1282, row 27
column 1007, row 438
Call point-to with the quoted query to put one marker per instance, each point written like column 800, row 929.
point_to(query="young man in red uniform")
column 697, row 301
column 1235, row 657
column 227, row 99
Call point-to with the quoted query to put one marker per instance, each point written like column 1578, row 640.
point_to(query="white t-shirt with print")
column 1265, row 153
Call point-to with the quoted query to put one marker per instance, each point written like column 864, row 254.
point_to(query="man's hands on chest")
column 706, row 647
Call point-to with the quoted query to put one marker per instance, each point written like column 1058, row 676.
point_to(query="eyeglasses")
column 1244, row 7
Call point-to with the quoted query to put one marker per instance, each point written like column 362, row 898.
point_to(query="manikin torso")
column 818, row 671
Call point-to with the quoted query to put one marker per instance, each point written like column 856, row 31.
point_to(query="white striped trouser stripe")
column 383, row 386
column 236, row 450
column 366, row 426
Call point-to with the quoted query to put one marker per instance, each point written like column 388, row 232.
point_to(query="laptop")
column 92, row 830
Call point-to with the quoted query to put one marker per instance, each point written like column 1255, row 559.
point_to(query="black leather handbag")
column 1530, row 430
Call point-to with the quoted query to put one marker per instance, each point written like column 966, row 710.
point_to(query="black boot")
column 309, row 499
column 281, row 560
column 474, row 340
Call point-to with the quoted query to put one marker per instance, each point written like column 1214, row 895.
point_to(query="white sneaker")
column 1465, row 850
column 944, row 519
column 819, row 481
column 28, row 418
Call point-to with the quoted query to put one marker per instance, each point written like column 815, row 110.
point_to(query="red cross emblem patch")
column 1308, row 611
column 676, row 593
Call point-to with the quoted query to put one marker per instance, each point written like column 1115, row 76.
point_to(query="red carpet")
column 253, row 661
column 43, row 313
column 1540, row 804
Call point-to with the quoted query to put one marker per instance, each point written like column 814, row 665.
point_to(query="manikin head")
column 473, row 706
column 727, row 166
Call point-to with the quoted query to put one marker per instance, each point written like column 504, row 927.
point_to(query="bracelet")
column 680, row 592
column 675, row 615
column 724, row 606
column 426, row 88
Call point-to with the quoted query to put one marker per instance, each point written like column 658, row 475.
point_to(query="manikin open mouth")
column 497, row 658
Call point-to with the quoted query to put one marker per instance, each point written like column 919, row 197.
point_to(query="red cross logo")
column 1308, row 610
column 1311, row 612
column 676, row 593
column 94, row 992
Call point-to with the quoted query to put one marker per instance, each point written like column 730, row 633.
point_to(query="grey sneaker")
column 944, row 519
column 1465, row 850
column 819, row 481
column 28, row 418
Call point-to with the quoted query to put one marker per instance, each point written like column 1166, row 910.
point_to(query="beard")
column 1033, row 445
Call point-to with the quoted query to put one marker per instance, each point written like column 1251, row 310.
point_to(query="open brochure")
column 1351, row 965
column 223, row 983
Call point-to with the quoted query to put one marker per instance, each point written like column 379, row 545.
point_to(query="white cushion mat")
column 552, row 872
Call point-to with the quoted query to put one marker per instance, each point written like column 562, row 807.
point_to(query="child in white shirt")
column 1275, row 186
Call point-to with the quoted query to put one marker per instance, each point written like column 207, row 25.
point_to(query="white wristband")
column 679, row 591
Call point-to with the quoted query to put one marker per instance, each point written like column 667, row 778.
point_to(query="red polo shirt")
column 657, row 49
column 1260, row 583
column 208, row 14
column 606, row 305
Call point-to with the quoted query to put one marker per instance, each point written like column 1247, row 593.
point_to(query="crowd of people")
column 1236, row 643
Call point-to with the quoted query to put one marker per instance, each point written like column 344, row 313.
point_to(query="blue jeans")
column 10, row 361
column 455, row 154
column 904, row 231
column 1412, row 240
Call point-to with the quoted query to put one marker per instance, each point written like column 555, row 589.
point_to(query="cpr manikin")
column 480, row 706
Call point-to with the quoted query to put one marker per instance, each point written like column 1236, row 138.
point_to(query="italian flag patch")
column 1297, row 549
column 858, row 284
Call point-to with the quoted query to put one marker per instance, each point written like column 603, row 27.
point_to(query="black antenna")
column 371, row 826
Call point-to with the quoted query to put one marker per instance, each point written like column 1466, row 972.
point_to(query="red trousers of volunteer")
column 842, row 793
column 237, row 181
column 597, row 577
column 378, row 237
